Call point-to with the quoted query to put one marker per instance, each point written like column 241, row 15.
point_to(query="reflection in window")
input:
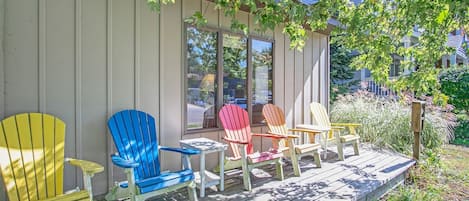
column 261, row 78
column 201, row 78
column 219, row 72
column 235, row 70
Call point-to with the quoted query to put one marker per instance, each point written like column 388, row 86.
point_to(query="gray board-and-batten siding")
column 83, row 60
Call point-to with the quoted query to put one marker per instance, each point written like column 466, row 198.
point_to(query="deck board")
column 356, row 178
column 359, row 177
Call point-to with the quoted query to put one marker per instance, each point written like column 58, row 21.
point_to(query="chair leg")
column 131, row 183
column 294, row 158
column 279, row 169
column 117, row 193
column 192, row 192
column 246, row 179
column 87, row 184
column 245, row 167
column 317, row 158
column 296, row 165
column 355, row 147
column 340, row 151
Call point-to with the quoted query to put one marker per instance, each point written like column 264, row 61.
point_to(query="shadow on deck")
column 364, row 177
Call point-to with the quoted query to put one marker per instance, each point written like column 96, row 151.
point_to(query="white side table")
column 205, row 178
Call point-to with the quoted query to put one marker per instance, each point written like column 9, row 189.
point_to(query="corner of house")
column 2, row 63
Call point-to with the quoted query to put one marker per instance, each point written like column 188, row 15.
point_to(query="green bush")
column 461, row 132
column 386, row 123
column 455, row 84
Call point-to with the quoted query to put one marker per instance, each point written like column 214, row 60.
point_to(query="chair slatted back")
column 321, row 117
column 320, row 114
column 134, row 134
column 32, row 156
column 235, row 121
column 275, row 119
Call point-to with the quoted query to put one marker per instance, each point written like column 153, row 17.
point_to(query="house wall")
column 87, row 59
column 2, row 80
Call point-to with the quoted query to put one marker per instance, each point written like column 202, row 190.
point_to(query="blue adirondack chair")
column 134, row 135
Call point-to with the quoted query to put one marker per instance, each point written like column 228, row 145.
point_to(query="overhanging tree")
column 375, row 28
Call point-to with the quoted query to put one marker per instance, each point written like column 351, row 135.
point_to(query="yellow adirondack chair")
column 322, row 119
column 276, row 122
column 32, row 159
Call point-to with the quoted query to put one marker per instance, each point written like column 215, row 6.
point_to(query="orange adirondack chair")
column 32, row 159
column 276, row 122
column 238, row 134
column 322, row 119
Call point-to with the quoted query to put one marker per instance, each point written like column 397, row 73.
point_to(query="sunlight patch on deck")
column 362, row 177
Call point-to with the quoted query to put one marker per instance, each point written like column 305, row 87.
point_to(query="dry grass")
column 456, row 172
column 386, row 122
column 443, row 176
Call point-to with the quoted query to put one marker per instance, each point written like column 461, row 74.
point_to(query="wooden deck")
column 364, row 177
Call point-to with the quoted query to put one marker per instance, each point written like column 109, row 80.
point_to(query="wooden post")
column 416, row 145
column 418, row 117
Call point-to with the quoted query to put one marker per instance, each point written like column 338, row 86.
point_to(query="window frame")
column 219, row 93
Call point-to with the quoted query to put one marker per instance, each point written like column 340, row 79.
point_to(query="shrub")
column 386, row 123
column 455, row 84
column 461, row 132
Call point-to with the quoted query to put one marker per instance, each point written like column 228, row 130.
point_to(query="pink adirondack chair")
column 235, row 121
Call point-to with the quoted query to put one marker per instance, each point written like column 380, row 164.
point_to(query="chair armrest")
column 305, row 130
column 123, row 163
column 87, row 167
column 269, row 135
column 346, row 124
column 180, row 150
column 337, row 127
column 351, row 126
column 312, row 127
column 288, row 135
column 234, row 141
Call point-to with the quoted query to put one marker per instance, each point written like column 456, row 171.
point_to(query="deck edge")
column 387, row 186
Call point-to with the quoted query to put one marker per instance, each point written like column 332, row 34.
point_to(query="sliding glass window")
column 261, row 77
column 235, row 69
column 201, row 94
column 240, row 65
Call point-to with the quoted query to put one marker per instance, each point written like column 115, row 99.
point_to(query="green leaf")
column 196, row 19
column 443, row 14
column 374, row 29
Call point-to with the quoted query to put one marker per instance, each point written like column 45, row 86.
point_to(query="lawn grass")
column 443, row 176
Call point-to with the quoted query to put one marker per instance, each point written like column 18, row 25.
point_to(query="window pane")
column 235, row 70
column 395, row 66
column 201, row 78
column 261, row 77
